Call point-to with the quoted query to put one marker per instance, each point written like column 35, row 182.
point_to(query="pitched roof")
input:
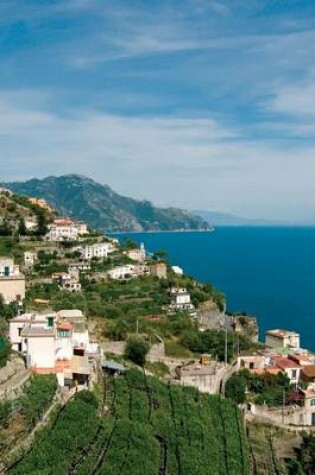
column 309, row 371
column 284, row 363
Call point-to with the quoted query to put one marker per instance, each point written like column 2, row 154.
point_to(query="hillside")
column 18, row 215
column 147, row 428
column 102, row 208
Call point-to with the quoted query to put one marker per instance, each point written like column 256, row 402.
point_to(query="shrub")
column 136, row 350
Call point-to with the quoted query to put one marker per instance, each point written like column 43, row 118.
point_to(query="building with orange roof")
column 287, row 366
column 51, row 342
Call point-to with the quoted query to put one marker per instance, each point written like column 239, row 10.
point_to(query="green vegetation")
column 136, row 350
column 263, row 389
column 19, row 416
column 305, row 457
column 150, row 428
column 5, row 351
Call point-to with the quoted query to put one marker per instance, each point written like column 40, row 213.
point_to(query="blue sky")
column 194, row 103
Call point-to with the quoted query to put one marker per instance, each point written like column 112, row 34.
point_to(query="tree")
column 22, row 228
column 235, row 388
column 160, row 255
column 136, row 350
column 41, row 223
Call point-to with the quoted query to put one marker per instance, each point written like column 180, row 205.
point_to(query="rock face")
column 209, row 317
column 102, row 208
column 246, row 324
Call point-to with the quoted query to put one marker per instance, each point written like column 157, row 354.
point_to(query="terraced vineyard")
column 142, row 426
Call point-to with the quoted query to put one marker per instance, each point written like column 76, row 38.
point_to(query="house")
column 282, row 338
column 98, row 250
column 252, row 362
column 159, row 269
column 68, row 281
column 82, row 228
column 308, row 375
column 56, row 342
column 180, row 300
column 12, row 281
column 62, row 229
column 79, row 266
column 202, row 377
column 121, row 272
column 287, row 366
column 41, row 203
column 137, row 255
column 303, row 359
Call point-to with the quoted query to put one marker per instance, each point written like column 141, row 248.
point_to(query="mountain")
column 214, row 218
column 102, row 208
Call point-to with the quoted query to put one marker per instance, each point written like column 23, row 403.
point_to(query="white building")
column 68, row 281
column 62, row 229
column 287, row 366
column 121, row 272
column 8, row 268
column 82, row 228
column 282, row 338
column 57, row 342
column 180, row 300
column 12, row 282
column 79, row 266
column 98, row 250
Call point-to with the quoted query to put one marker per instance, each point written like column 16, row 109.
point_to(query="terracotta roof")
column 284, row 363
column 309, row 371
column 267, row 370
column 64, row 326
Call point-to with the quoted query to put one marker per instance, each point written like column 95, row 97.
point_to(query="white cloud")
column 184, row 162
column 295, row 100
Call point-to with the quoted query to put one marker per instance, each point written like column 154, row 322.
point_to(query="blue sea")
column 266, row 271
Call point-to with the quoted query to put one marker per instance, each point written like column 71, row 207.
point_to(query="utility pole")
column 137, row 329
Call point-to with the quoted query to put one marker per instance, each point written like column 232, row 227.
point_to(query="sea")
column 268, row 272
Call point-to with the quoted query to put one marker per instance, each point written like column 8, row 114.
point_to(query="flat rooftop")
column 281, row 333
column 36, row 331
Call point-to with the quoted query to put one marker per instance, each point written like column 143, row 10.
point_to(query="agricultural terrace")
column 140, row 425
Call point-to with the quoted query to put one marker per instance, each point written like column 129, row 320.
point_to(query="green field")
column 141, row 426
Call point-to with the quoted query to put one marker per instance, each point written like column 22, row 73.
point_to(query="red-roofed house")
column 287, row 366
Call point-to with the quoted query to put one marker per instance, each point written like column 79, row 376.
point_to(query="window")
column 294, row 373
column 63, row 333
column 312, row 402
column 50, row 321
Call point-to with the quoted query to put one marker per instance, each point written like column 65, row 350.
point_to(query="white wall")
column 41, row 351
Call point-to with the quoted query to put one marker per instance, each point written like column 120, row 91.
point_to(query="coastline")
column 158, row 231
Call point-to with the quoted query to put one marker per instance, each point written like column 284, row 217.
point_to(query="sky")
column 191, row 103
